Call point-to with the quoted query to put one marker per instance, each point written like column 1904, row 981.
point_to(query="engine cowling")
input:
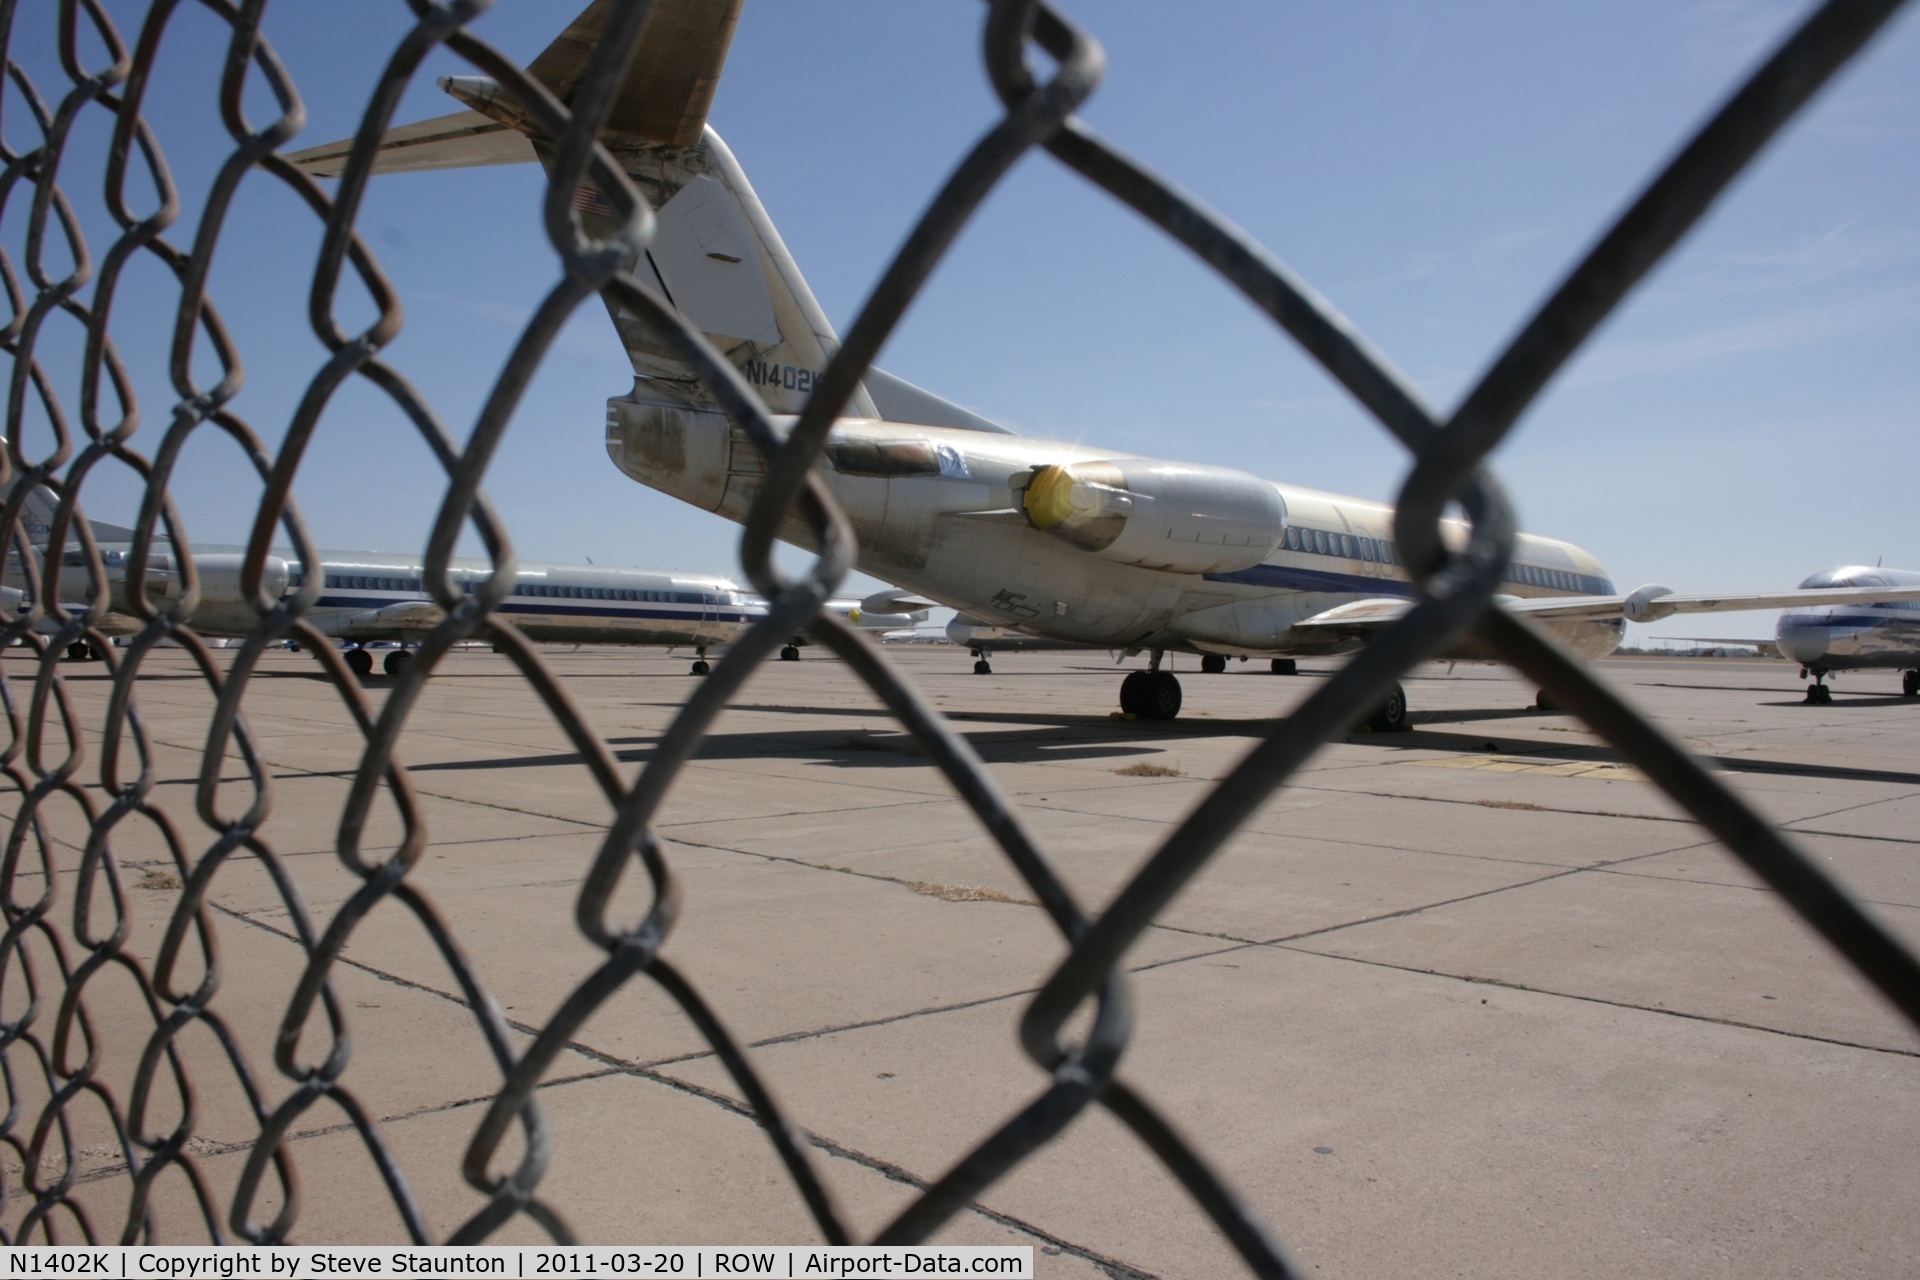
column 1160, row 515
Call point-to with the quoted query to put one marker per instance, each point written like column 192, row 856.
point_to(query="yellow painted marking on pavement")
column 1533, row 764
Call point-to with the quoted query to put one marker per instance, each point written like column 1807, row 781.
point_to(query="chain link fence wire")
column 64, row 887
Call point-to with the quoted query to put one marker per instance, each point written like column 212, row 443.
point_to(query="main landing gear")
column 1152, row 694
column 1213, row 664
column 397, row 662
column 700, row 667
column 359, row 661
column 1285, row 667
column 790, row 654
column 1391, row 715
column 1910, row 683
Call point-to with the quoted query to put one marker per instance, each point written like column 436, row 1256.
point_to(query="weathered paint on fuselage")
column 960, row 537
column 1850, row 637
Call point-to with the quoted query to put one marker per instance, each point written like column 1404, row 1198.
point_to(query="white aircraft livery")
column 1050, row 540
column 1850, row 637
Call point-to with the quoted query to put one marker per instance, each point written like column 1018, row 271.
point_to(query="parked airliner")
column 1055, row 541
column 1850, row 637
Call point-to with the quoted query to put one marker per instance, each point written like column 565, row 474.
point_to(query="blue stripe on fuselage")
column 1290, row 578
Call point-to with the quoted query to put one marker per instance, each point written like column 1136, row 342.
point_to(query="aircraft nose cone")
column 1803, row 642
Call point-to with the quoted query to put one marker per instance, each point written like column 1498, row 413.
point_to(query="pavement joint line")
column 1470, row 897
column 651, row 1071
column 1476, row 980
column 1642, row 817
column 1748, row 888
column 214, row 1149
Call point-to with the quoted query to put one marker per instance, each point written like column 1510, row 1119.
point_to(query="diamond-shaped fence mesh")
column 89, row 1156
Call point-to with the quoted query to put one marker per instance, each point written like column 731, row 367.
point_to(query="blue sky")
column 1746, row 419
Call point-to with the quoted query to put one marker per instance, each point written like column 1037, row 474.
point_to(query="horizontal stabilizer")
column 463, row 140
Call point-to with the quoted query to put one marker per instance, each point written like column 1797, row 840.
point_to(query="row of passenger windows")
column 554, row 592
column 1320, row 542
column 1558, row 580
column 1380, row 551
column 356, row 582
column 544, row 590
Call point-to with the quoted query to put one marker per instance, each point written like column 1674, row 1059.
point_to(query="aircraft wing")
column 1768, row 648
column 1648, row 604
column 408, row 617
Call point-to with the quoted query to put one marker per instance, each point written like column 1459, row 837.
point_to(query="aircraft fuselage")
column 1140, row 554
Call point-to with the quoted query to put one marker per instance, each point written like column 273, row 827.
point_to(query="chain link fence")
column 77, row 790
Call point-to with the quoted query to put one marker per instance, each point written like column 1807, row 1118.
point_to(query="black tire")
column 360, row 662
column 77, row 651
column 1391, row 715
column 982, row 668
column 1132, row 698
column 1213, row 664
column 700, row 667
column 1285, row 667
column 1543, row 701
column 1818, row 695
column 790, row 654
column 396, row 662
column 1910, row 683
column 1160, row 696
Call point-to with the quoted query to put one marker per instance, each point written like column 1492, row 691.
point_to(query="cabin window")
column 1366, row 550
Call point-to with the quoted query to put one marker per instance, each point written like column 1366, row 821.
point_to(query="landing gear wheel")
column 790, row 654
column 1213, row 664
column 360, row 662
column 1543, row 701
column 1818, row 695
column 1391, row 715
column 396, row 662
column 1910, row 683
column 1285, row 667
column 1150, row 695
column 700, row 667
column 78, row 652
column 982, row 668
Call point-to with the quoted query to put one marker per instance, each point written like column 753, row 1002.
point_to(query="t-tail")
column 715, row 253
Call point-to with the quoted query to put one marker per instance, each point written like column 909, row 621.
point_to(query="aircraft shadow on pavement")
column 1843, row 700
column 836, row 747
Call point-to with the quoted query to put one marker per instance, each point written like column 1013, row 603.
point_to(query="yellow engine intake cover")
column 1049, row 499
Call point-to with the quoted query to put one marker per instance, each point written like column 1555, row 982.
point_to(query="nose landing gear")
column 790, row 654
column 1818, row 695
column 700, row 667
column 1910, row 683
column 981, row 667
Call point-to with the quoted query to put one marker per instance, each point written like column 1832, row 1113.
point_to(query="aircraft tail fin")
column 715, row 254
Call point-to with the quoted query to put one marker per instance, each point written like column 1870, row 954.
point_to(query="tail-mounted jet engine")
column 1159, row 515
